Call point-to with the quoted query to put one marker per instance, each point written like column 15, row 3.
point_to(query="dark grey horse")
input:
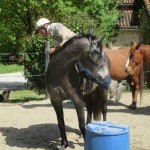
column 62, row 80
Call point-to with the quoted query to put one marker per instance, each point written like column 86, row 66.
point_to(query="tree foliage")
column 18, row 21
column 18, row 18
column 34, row 64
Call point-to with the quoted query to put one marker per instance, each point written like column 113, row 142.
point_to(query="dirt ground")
column 33, row 125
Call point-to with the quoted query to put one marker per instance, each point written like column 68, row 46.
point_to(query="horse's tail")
column 97, row 104
column 141, row 82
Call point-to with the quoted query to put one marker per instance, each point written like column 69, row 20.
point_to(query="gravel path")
column 12, row 80
column 33, row 125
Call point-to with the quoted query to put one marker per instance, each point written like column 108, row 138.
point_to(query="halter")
column 88, row 74
column 92, row 77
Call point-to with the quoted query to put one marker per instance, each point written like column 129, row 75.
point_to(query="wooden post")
column 109, row 45
column 47, row 59
column 47, row 49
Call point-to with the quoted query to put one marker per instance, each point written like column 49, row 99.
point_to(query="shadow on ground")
column 45, row 136
column 139, row 111
column 31, row 106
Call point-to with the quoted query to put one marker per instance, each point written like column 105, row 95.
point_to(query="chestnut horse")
column 118, row 60
column 137, row 55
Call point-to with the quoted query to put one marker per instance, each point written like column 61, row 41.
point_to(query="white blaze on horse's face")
column 127, row 62
column 128, row 68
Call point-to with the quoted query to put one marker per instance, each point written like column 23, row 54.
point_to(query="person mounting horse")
column 88, row 50
column 57, row 31
column 60, row 35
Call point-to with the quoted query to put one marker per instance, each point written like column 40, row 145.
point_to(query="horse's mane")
column 59, row 49
column 78, row 37
column 145, row 47
column 67, row 43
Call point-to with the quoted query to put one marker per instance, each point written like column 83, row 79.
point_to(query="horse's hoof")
column 132, row 106
column 62, row 147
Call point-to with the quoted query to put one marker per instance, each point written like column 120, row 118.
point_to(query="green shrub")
column 35, row 62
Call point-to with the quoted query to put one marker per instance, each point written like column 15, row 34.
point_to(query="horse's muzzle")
column 129, row 70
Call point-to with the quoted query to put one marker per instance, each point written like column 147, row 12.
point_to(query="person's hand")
column 61, row 44
column 52, row 50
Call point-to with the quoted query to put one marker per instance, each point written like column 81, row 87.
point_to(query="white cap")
column 41, row 22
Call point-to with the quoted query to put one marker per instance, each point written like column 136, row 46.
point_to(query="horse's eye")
column 102, row 56
column 135, row 62
column 94, row 42
column 131, row 56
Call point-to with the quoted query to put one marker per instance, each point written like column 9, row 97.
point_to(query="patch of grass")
column 25, row 96
column 10, row 68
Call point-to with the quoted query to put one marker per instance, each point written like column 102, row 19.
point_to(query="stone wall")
column 125, row 37
column 145, row 28
column 145, row 36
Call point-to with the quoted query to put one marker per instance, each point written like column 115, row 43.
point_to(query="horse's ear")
column 133, row 44
column 138, row 46
column 90, row 30
column 133, row 47
column 101, row 39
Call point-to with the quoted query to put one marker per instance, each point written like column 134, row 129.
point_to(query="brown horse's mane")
column 146, row 49
column 141, row 46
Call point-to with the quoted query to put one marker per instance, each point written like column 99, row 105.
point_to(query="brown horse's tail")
column 141, row 83
column 97, row 104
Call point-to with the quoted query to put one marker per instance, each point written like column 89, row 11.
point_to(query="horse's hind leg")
column 134, row 89
column 104, row 103
column 89, row 106
column 100, row 103
column 60, row 117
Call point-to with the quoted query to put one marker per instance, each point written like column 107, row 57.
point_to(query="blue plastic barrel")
column 106, row 136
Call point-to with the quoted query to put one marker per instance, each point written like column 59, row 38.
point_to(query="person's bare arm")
column 52, row 50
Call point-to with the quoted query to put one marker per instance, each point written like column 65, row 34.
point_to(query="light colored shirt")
column 59, row 33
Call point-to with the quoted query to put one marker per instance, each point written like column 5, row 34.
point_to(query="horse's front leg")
column 60, row 117
column 80, row 113
column 89, row 106
column 134, row 96
column 134, row 86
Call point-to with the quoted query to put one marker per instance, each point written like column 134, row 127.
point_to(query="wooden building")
column 134, row 25
column 144, row 25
